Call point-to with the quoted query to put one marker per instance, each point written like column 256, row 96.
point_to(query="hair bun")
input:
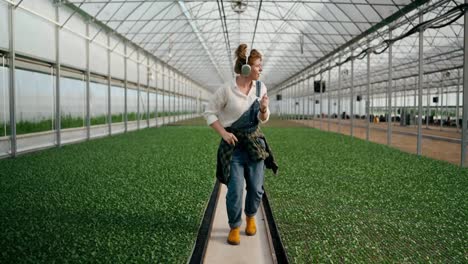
column 241, row 52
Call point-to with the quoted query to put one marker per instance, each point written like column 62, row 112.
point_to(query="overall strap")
column 259, row 87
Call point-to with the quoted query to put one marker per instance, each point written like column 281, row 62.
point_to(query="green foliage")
column 68, row 121
column 26, row 127
column 98, row 120
column 137, row 197
column 132, row 116
column 339, row 199
column 117, row 118
column 2, row 129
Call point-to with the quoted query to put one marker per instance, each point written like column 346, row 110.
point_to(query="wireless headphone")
column 245, row 70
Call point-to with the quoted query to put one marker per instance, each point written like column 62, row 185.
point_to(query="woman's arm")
column 228, row 137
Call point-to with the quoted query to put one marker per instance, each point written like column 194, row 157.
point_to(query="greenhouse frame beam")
column 88, row 77
column 138, row 88
column 58, row 126
column 328, row 96
column 12, row 84
column 352, row 97
column 200, row 38
column 420, row 85
column 109, row 90
column 463, row 162
column 125, row 87
column 321, row 104
column 408, row 8
column 367, row 107
column 148, row 74
column 389, row 91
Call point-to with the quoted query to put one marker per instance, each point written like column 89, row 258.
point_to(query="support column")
column 428, row 107
column 109, row 89
column 58, row 126
column 338, row 112
column 305, row 97
column 368, row 96
column 163, row 93
column 88, row 77
column 321, row 100
column 420, row 84
column 389, row 91
column 12, row 84
column 314, row 113
column 126, row 87
column 328, row 94
column 352, row 95
column 441, row 99
column 308, row 98
column 457, row 108
column 148, row 74
column 465, row 93
column 138, row 90
column 156, row 106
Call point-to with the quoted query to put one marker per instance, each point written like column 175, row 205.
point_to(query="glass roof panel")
column 292, row 35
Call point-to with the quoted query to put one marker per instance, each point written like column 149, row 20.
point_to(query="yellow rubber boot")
column 251, row 228
column 234, row 236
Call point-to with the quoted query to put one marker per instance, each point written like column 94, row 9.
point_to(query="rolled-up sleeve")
column 215, row 105
column 262, row 93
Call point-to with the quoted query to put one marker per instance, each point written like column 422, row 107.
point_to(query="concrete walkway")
column 252, row 249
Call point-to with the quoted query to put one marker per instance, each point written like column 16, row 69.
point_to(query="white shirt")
column 228, row 104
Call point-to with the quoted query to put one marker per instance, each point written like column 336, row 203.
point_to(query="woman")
column 234, row 113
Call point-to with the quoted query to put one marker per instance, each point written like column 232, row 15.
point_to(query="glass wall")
column 4, row 108
column 4, row 101
column 159, row 103
column 152, row 105
column 72, row 102
column 143, row 105
column 117, row 103
column 98, row 103
column 132, row 104
column 34, row 102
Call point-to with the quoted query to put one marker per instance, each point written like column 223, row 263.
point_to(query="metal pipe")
column 148, row 74
column 328, row 95
column 352, row 96
column 457, row 112
column 368, row 96
column 314, row 110
column 428, row 108
column 88, row 79
column 339, row 97
column 57, row 80
column 163, row 93
column 308, row 99
column 126, row 87
column 441, row 101
column 420, row 85
column 12, row 84
column 389, row 91
column 109, row 89
column 465, row 92
column 321, row 102
column 138, row 90
column 305, row 98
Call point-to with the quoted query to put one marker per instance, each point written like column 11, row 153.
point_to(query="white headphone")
column 245, row 70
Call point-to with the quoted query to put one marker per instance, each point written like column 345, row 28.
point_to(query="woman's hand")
column 264, row 103
column 229, row 138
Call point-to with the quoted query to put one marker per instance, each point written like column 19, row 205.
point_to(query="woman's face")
column 256, row 69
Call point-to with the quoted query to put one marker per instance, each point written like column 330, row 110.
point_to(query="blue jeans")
column 253, row 172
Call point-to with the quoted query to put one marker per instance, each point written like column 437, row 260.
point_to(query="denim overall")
column 242, row 167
